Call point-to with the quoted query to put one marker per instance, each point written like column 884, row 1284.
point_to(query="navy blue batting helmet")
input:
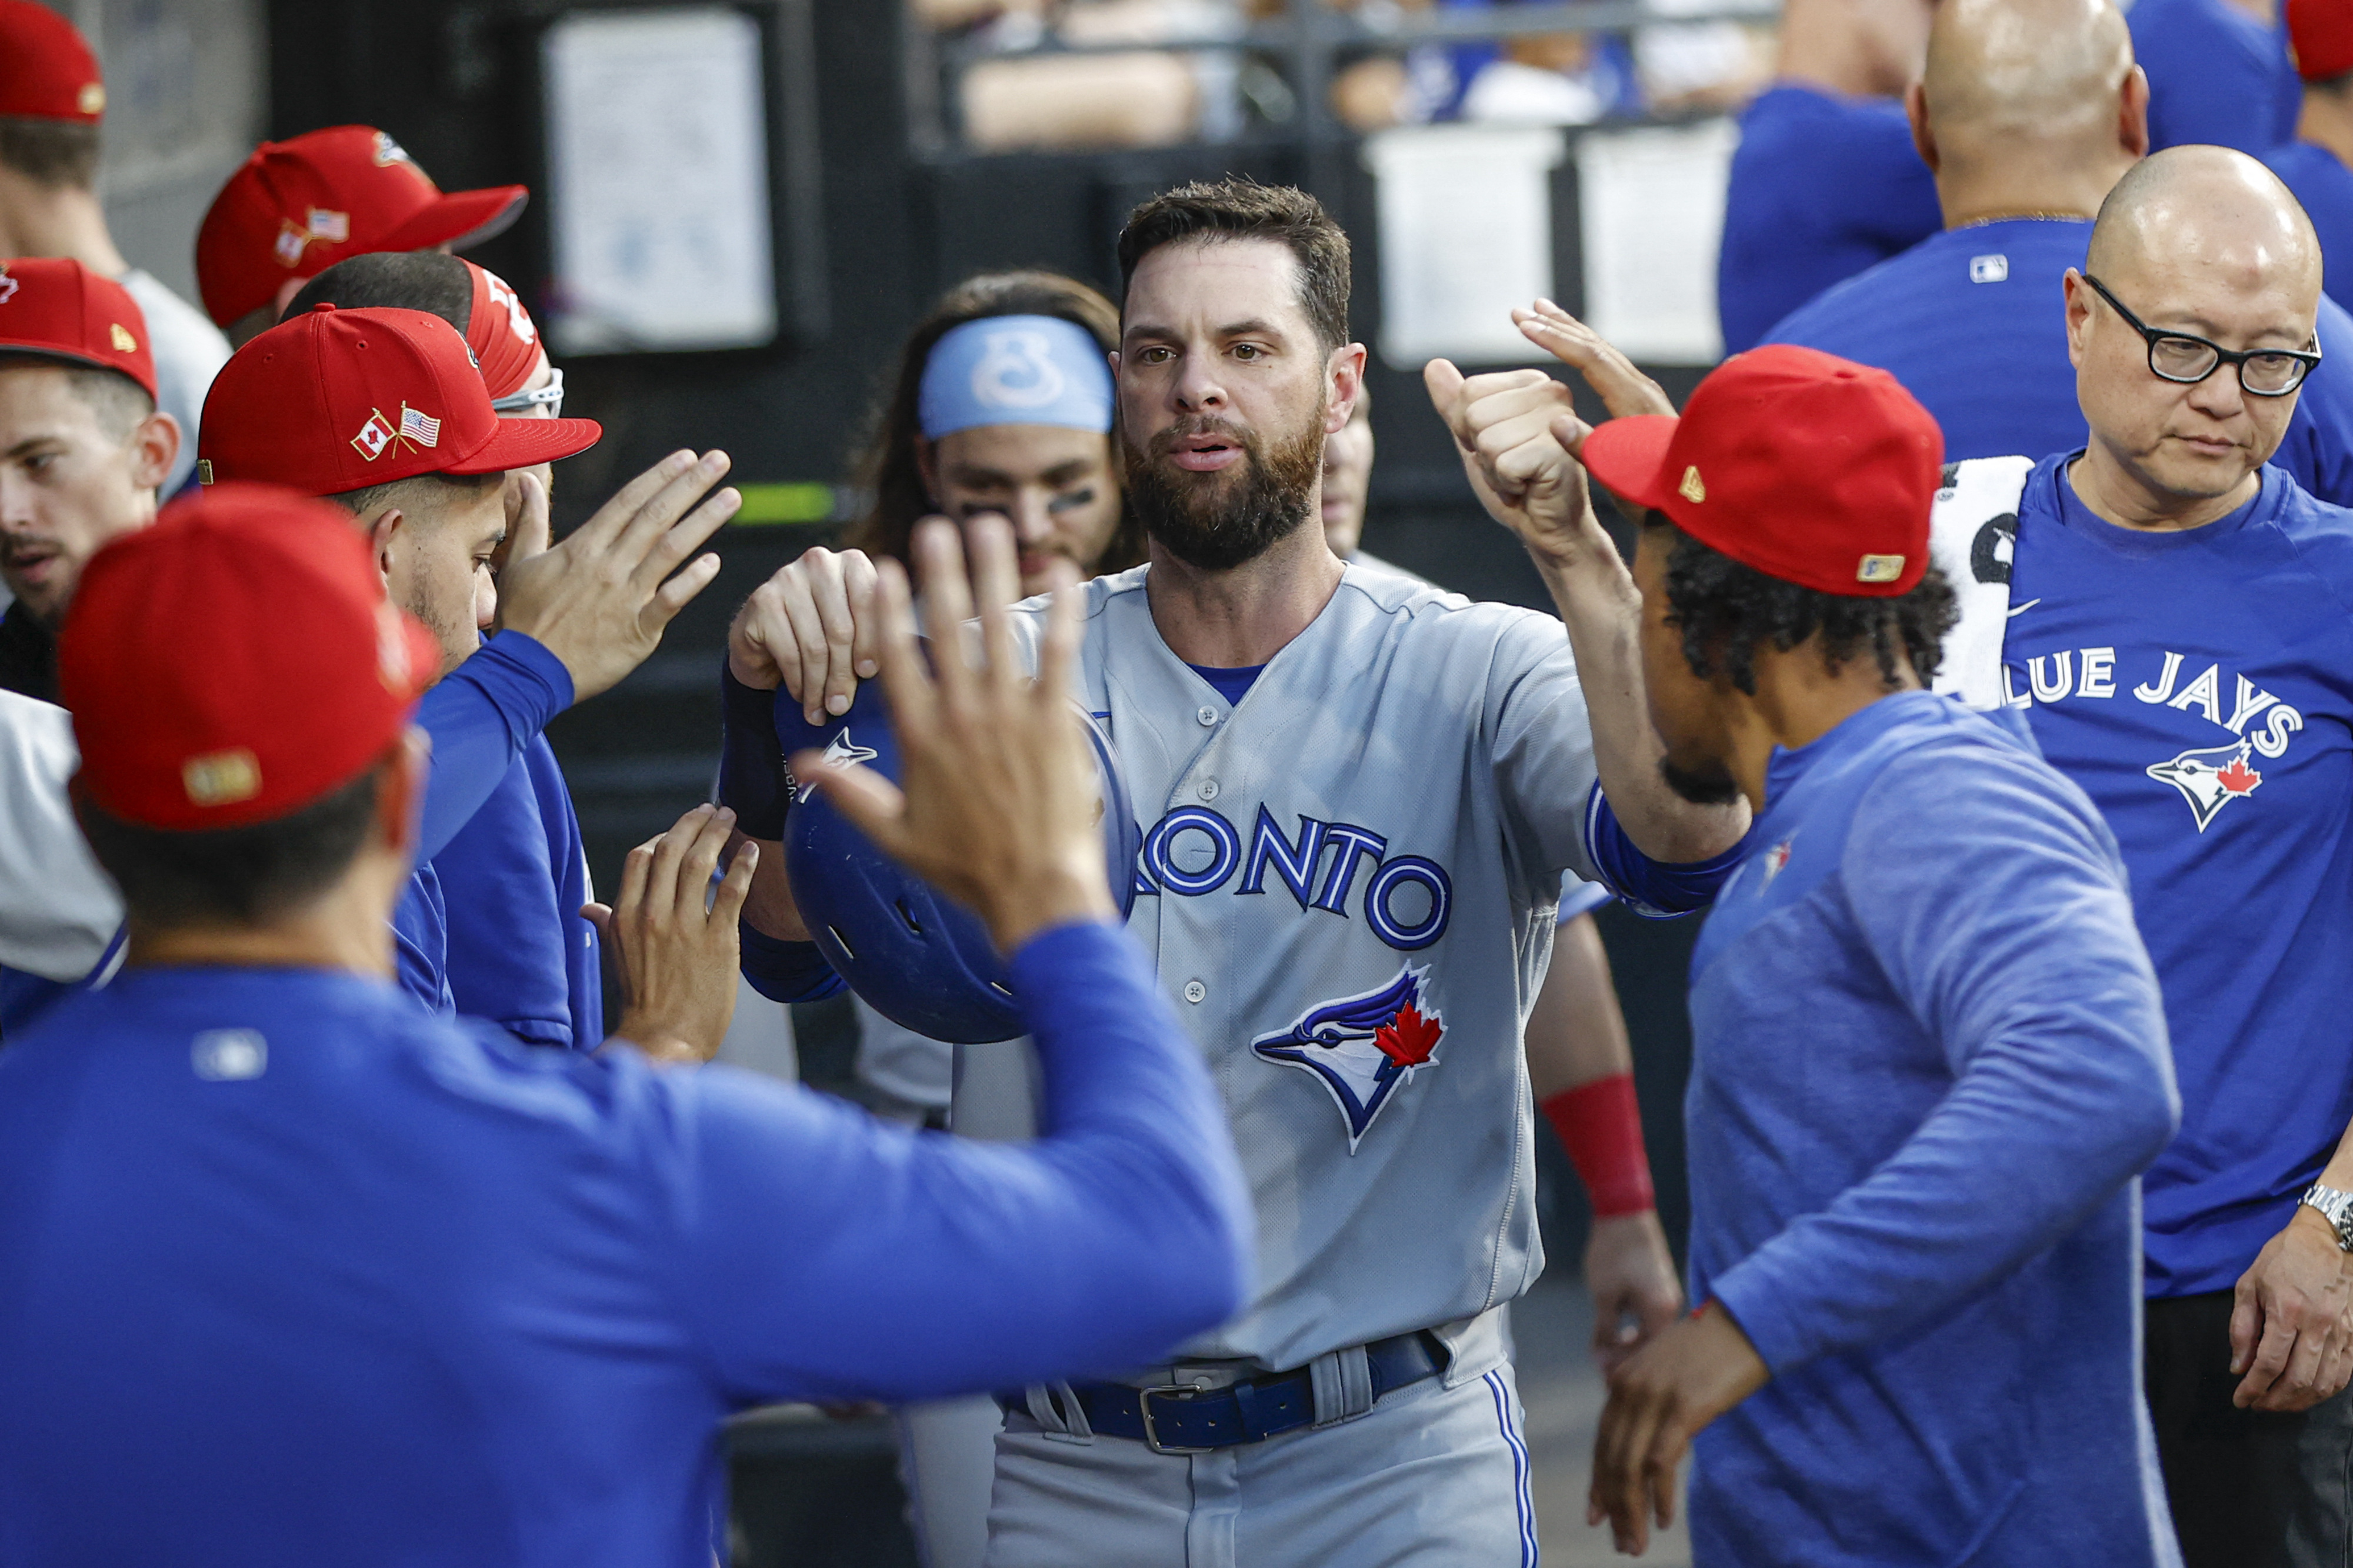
column 919, row 958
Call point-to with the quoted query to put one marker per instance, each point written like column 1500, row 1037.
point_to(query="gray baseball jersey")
column 1348, row 882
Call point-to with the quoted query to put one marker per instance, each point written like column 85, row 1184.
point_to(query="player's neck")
column 2116, row 495
column 37, row 220
column 2024, row 185
column 1801, row 697
column 1822, row 47
column 1244, row 616
column 348, row 927
column 2326, row 122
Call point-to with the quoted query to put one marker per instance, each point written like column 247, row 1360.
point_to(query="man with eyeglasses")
column 2175, row 622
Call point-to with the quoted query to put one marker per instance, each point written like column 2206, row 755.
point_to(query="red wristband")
column 1601, row 1126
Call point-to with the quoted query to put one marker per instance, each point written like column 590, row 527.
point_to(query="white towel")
column 1972, row 534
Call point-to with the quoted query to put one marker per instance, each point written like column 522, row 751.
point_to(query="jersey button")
column 1195, row 991
column 1209, row 789
column 1208, row 717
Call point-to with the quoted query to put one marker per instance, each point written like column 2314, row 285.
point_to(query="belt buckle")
column 1151, row 1433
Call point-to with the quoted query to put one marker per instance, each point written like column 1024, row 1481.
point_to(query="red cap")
column 298, row 206
column 502, row 333
column 235, row 662
column 46, row 71
column 61, row 310
column 1808, row 468
column 2320, row 37
column 338, row 400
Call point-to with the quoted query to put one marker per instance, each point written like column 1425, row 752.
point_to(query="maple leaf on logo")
column 1408, row 1038
column 2238, row 778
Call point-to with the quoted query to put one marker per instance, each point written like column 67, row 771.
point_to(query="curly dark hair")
column 1725, row 610
column 887, row 467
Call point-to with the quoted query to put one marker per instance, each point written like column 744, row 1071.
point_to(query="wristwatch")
column 2336, row 1208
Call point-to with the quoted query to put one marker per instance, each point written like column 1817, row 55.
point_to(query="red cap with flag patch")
column 46, row 71
column 2321, row 36
column 338, row 400
column 1808, row 468
column 60, row 309
column 235, row 662
column 298, row 206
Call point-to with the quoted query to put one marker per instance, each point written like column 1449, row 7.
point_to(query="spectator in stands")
column 2318, row 164
column 52, row 101
column 1826, row 180
column 2030, row 111
column 2218, row 73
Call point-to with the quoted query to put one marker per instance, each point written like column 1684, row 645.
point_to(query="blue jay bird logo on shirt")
column 1362, row 1047
column 2210, row 779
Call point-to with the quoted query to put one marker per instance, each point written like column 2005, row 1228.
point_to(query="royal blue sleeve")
column 825, row 1255
column 1992, row 898
column 786, row 970
column 2317, row 451
column 481, row 716
column 1657, row 889
column 751, row 758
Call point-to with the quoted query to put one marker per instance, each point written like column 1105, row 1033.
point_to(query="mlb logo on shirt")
column 1989, row 268
column 375, row 435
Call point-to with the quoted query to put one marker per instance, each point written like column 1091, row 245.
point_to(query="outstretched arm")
column 1517, row 432
column 833, row 1257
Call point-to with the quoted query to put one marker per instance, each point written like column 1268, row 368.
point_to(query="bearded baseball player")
column 1360, row 795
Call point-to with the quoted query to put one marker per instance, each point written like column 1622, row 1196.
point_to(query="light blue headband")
column 1015, row 370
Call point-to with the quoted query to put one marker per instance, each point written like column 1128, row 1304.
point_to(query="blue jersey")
column 2325, row 187
column 1974, row 323
column 291, row 1273
column 1927, row 1059
column 1822, row 186
column 481, row 716
column 512, row 882
column 2198, row 685
column 2216, row 75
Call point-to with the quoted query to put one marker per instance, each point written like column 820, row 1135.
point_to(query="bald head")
column 2027, row 105
column 2207, row 219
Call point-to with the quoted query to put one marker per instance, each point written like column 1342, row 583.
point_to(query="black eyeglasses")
column 2181, row 358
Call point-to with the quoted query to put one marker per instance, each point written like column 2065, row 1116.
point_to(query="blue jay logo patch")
column 2210, row 779
column 1361, row 1047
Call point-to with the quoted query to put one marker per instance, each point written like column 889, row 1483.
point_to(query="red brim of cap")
column 459, row 218
column 1628, row 456
column 526, row 443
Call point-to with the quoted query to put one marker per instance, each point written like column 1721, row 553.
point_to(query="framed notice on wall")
column 658, row 173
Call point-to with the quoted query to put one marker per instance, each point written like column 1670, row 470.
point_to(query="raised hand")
column 671, row 939
column 997, row 805
column 1623, row 389
column 1516, row 431
column 811, row 629
column 600, row 600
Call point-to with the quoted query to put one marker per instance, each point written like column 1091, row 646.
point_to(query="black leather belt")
column 1177, row 1419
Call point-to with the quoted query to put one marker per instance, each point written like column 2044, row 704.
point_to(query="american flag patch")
column 418, row 428
column 333, row 228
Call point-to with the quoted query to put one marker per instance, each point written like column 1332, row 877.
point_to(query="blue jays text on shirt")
column 2208, row 777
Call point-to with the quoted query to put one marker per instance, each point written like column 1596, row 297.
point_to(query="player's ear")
column 2132, row 113
column 154, row 445
column 1343, row 381
column 383, row 538
column 1916, row 110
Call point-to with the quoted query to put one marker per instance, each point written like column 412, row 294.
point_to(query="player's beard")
column 1216, row 522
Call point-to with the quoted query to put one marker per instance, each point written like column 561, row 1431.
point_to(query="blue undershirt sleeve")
column 1657, row 889
column 481, row 716
column 786, row 970
column 751, row 759
column 1991, row 896
column 825, row 1255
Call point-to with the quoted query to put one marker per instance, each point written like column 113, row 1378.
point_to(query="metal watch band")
column 2336, row 1206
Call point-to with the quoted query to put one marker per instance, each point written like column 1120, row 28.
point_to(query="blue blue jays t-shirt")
column 2325, row 187
column 2216, row 75
column 2199, row 686
column 1822, row 186
column 1927, row 1059
column 1974, row 323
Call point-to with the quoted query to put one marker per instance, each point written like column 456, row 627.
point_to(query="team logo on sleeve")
column 1361, row 1047
column 2211, row 779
